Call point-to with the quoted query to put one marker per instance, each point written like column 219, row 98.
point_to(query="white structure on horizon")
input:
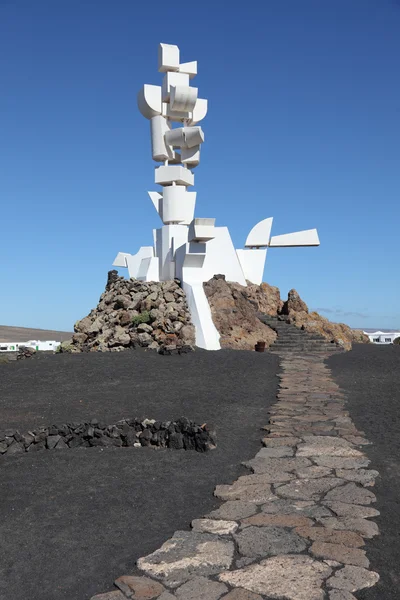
column 35, row 344
column 188, row 248
column 382, row 337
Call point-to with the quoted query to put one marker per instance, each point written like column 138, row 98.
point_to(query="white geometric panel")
column 308, row 237
column 134, row 260
column 199, row 111
column 260, row 235
column 173, row 79
column 183, row 98
column 190, row 156
column 159, row 149
column 201, row 230
column 189, row 67
column 156, row 198
column 120, row 259
column 168, row 58
column 253, row 262
column 167, row 175
column 149, row 101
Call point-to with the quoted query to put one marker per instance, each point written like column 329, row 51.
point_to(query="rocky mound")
column 134, row 313
column 295, row 311
column 234, row 310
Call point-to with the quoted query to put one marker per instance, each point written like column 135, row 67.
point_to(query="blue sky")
column 303, row 125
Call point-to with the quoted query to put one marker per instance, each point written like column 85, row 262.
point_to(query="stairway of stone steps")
column 292, row 339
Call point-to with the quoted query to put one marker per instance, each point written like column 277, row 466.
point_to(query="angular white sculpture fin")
column 156, row 199
column 189, row 67
column 309, row 237
column 199, row 111
column 260, row 235
column 121, row 259
column 149, row 101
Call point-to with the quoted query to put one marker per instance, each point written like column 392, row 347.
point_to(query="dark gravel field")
column 71, row 521
column 371, row 376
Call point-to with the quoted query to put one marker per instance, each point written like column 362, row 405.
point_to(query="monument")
column 188, row 248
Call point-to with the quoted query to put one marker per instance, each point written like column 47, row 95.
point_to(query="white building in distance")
column 382, row 337
column 48, row 346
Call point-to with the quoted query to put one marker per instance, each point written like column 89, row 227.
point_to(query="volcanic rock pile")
column 234, row 311
column 134, row 313
column 180, row 434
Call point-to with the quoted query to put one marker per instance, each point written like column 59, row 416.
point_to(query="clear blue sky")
column 303, row 125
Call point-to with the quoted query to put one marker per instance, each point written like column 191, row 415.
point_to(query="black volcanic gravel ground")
column 371, row 376
column 72, row 521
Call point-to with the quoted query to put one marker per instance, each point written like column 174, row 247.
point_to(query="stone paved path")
column 295, row 528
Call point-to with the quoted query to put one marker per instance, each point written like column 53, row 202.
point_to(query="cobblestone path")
column 295, row 528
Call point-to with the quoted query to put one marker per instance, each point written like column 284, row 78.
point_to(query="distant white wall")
column 35, row 344
column 381, row 337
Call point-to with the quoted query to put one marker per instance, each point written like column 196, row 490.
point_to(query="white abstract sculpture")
column 191, row 249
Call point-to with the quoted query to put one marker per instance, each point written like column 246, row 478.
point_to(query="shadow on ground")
column 74, row 520
column 371, row 377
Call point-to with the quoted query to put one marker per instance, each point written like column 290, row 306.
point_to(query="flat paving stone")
column 279, row 452
column 306, row 508
column 266, row 478
column 342, row 509
column 367, row 529
column 256, row 542
column 293, row 577
column 351, row 493
column 333, row 536
column 139, row 588
column 340, row 462
column 308, row 489
column 279, row 442
column 277, row 466
column 339, row 552
column 314, row 472
column 166, row 596
column 201, row 588
column 232, row 510
column 257, row 493
column 352, row 579
column 216, row 526
column 327, row 446
column 288, row 520
column 364, row 476
column 186, row 555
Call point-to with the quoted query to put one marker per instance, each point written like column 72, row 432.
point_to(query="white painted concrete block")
column 190, row 68
column 170, row 174
column 168, row 58
column 183, row 98
column 173, row 79
column 149, row 101
column 160, row 150
column 201, row 230
column 173, row 204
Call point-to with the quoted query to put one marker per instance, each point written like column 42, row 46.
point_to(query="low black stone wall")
column 180, row 434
